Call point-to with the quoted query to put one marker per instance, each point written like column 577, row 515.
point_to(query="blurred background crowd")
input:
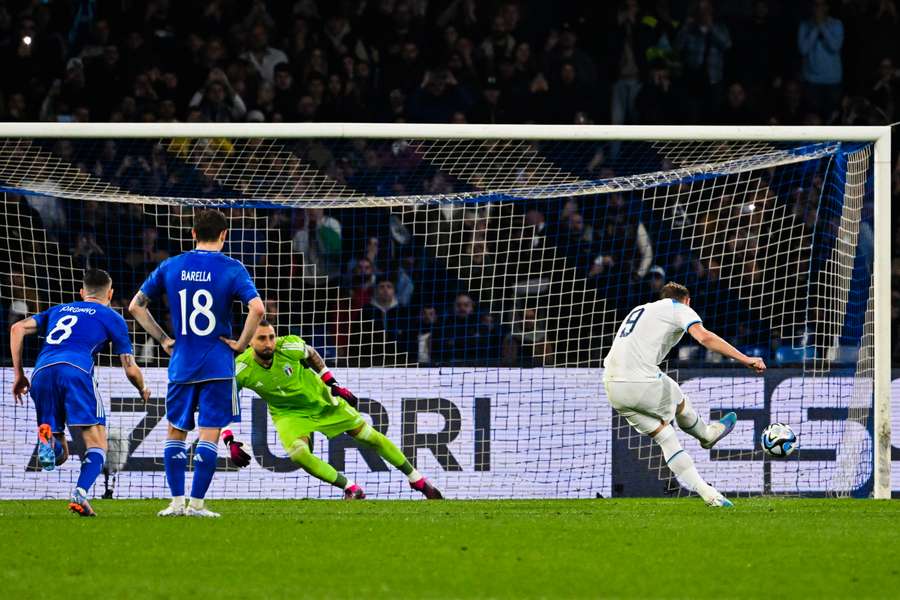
column 442, row 61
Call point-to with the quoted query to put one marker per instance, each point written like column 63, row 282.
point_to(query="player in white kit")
column 649, row 399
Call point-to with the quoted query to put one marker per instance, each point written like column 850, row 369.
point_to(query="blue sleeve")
column 154, row 284
column 41, row 320
column 117, row 330
column 243, row 287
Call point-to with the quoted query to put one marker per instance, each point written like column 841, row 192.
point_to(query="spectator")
column 820, row 40
column 438, row 98
column 627, row 52
column 362, row 283
column 528, row 345
column 385, row 310
column 317, row 239
column 489, row 337
column 419, row 339
column 651, row 286
column 662, row 100
column 23, row 299
column 759, row 54
column 736, row 110
column 535, row 218
column 885, row 93
column 704, row 42
column 150, row 254
column 457, row 334
column 284, row 100
column 217, row 101
column 262, row 56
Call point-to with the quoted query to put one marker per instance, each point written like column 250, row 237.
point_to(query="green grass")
column 455, row 549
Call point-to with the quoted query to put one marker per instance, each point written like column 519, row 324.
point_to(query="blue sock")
column 175, row 459
column 91, row 465
column 204, row 468
column 58, row 449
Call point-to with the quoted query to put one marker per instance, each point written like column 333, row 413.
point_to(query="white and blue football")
column 778, row 439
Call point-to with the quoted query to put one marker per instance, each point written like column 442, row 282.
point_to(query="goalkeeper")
column 303, row 397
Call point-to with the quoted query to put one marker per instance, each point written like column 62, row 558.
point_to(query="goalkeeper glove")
column 337, row 391
column 238, row 456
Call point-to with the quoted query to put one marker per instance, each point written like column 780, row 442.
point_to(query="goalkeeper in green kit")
column 304, row 397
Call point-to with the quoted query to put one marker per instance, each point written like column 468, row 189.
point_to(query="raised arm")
column 17, row 334
column 256, row 311
column 134, row 375
column 713, row 342
column 140, row 312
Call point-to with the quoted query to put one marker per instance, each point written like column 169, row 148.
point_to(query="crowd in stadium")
column 458, row 61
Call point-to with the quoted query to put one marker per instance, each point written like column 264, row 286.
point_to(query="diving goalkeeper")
column 303, row 397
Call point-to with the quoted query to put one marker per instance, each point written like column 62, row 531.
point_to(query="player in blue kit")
column 200, row 286
column 62, row 384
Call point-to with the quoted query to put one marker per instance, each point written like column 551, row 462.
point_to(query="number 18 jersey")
column 644, row 339
column 200, row 286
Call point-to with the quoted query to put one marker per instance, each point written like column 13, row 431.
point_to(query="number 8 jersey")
column 644, row 339
column 200, row 286
column 74, row 332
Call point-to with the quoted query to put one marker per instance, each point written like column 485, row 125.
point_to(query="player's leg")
column 680, row 462
column 294, row 431
column 300, row 453
column 92, row 460
column 50, row 408
column 649, row 408
column 181, row 401
column 366, row 435
column 689, row 420
column 218, row 406
column 85, row 410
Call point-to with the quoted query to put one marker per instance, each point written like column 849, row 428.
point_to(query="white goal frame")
column 880, row 136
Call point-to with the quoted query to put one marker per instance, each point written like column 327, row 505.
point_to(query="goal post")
column 487, row 176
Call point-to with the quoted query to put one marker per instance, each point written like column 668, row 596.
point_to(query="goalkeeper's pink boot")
column 354, row 492
column 428, row 490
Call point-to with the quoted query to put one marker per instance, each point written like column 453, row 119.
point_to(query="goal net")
column 467, row 290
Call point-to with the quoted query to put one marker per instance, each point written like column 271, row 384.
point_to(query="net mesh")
column 511, row 265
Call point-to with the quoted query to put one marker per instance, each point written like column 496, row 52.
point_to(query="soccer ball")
column 778, row 439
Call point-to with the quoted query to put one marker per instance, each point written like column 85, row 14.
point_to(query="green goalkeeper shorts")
column 331, row 422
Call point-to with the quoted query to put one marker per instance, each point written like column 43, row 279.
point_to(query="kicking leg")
column 91, row 465
column 691, row 423
column 367, row 436
column 318, row 468
column 682, row 465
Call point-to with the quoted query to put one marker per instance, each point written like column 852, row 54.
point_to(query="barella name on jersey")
column 199, row 276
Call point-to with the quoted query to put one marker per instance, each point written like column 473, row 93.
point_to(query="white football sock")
column 178, row 500
column 414, row 476
column 691, row 423
column 681, row 463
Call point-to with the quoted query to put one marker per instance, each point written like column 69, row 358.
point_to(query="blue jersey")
column 74, row 332
column 200, row 286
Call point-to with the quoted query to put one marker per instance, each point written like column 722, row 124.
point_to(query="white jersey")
column 644, row 339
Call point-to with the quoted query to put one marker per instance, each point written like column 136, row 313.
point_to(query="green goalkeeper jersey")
column 287, row 386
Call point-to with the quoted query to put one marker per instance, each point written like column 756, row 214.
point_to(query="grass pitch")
column 660, row 548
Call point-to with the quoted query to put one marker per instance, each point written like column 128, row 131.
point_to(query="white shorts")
column 645, row 404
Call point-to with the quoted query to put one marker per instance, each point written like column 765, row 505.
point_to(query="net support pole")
column 882, row 274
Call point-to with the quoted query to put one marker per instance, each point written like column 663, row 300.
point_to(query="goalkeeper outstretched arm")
column 317, row 364
column 713, row 342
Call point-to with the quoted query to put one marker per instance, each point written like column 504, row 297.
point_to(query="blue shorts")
column 64, row 394
column 216, row 400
